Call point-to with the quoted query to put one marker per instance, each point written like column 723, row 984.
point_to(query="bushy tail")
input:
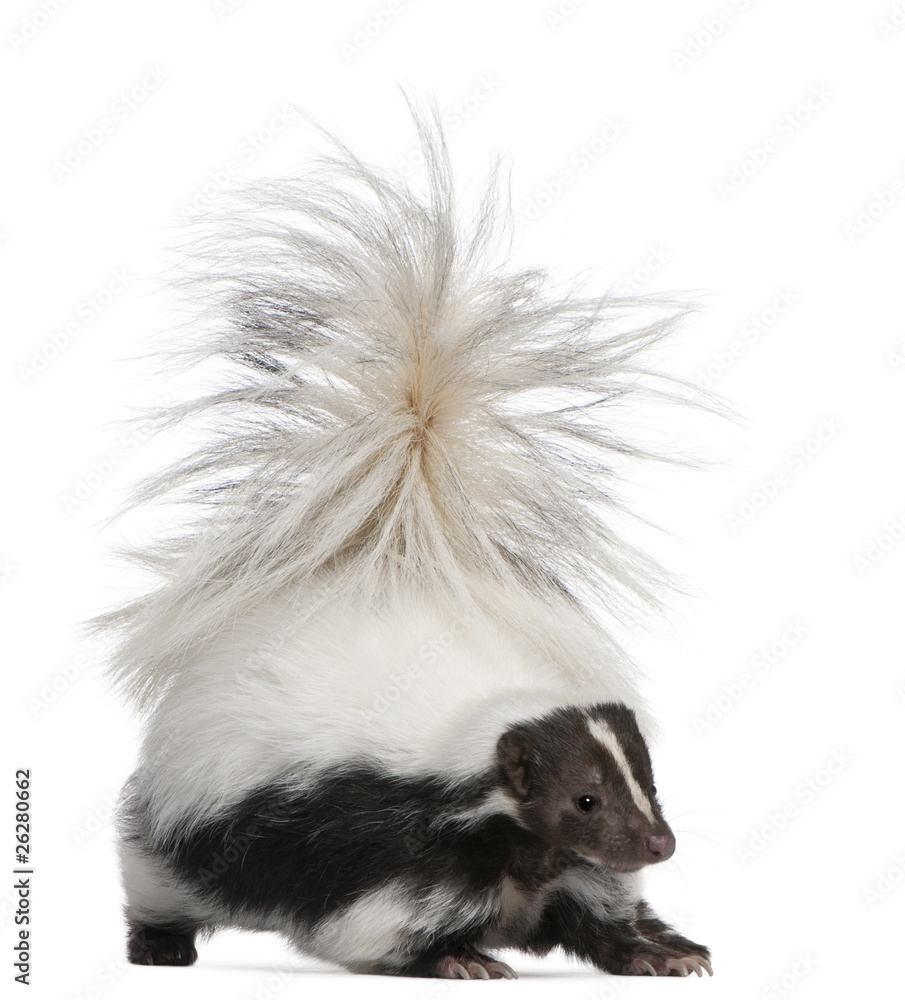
column 403, row 411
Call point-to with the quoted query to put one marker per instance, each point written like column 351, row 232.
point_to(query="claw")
column 469, row 967
column 648, row 968
column 699, row 964
column 504, row 970
column 460, row 970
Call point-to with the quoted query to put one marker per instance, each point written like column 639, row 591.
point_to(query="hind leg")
column 161, row 945
column 161, row 915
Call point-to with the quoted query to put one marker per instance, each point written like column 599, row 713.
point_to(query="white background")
column 718, row 177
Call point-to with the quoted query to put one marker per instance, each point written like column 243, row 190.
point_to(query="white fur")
column 407, row 420
column 153, row 896
column 415, row 690
column 519, row 913
column 600, row 892
column 607, row 896
column 610, row 742
column 369, row 930
column 386, row 924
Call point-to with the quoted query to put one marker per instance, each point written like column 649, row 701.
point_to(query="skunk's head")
column 583, row 783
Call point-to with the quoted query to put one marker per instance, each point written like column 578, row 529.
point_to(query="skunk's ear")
column 514, row 753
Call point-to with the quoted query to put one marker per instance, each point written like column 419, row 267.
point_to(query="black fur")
column 309, row 853
column 172, row 945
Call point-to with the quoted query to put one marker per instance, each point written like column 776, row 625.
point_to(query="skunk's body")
column 386, row 716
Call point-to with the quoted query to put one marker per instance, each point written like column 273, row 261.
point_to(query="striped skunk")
column 387, row 714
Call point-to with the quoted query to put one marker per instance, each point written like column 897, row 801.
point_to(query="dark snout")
column 635, row 845
column 659, row 847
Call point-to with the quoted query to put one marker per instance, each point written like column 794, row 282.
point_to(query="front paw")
column 474, row 966
column 649, row 964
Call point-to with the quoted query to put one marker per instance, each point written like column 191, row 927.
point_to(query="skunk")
column 387, row 714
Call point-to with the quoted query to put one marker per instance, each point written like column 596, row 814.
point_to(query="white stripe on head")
column 610, row 742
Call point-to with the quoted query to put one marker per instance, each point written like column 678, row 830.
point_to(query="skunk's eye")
column 586, row 803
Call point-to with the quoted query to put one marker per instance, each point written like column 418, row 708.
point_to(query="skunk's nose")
column 659, row 847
